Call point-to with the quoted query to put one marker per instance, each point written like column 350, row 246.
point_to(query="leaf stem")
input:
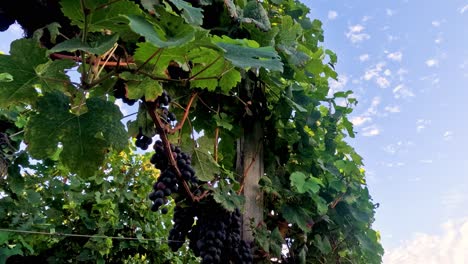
column 149, row 59
column 204, row 69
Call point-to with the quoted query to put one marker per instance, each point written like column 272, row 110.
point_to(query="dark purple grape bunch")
column 184, row 163
column 216, row 236
column 163, row 102
column 143, row 141
column 164, row 99
column 159, row 158
column 165, row 185
column 183, row 221
column 167, row 116
column 121, row 90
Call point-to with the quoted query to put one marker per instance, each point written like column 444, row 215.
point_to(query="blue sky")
column 407, row 62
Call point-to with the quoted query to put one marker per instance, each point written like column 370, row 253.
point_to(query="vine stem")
column 247, row 169
column 78, row 59
column 216, row 144
column 184, row 118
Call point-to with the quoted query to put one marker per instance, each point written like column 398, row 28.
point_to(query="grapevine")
column 234, row 106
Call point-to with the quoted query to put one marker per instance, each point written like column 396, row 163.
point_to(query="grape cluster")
column 121, row 90
column 143, row 141
column 184, row 162
column 216, row 235
column 164, row 99
column 183, row 221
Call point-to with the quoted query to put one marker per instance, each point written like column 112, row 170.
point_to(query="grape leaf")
column 246, row 54
column 29, row 68
column 99, row 46
column 139, row 86
column 149, row 5
column 85, row 138
column 303, row 183
column 192, row 15
column 227, row 198
column 224, row 121
column 256, row 14
column 276, row 242
column 162, row 59
column 207, row 66
column 202, row 160
column 289, row 32
column 6, row 77
column 156, row 35
column 298, row 215
column 103, row 14
column 323, row 244
column 229, row 80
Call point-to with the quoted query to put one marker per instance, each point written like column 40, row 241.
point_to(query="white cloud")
column 390, row 12
column 360, row 120
column 395, row 56
column 393, row 109
column 432, row 62
column 401, row 74
column 364, row 57
column 365, row 19
column 370, row 131
column 372, row 110
column 401, row 91
column 438, row 40
column 376, row 74
column 382, row 82
column 436, row 23
column 463, row 9
column 422, row 124
column 332, row 14
column 448, row 248
column 400, row 146
column 448, row 135
column 356, row 34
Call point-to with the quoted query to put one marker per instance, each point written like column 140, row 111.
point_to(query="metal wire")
column 87, row 236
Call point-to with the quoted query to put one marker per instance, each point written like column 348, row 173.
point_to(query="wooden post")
column 250, row 166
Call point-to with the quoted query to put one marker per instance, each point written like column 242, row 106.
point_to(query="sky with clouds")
column 407, row 63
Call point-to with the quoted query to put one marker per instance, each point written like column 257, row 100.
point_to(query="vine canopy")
column 226, row 64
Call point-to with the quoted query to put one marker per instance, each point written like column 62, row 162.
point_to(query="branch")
column 244, row 175
column 186, row 112
column 78, row 59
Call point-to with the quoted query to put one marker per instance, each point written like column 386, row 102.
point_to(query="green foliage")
column 85, row 138
column 246, row 61
column 28, row 69
column 111, row 204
